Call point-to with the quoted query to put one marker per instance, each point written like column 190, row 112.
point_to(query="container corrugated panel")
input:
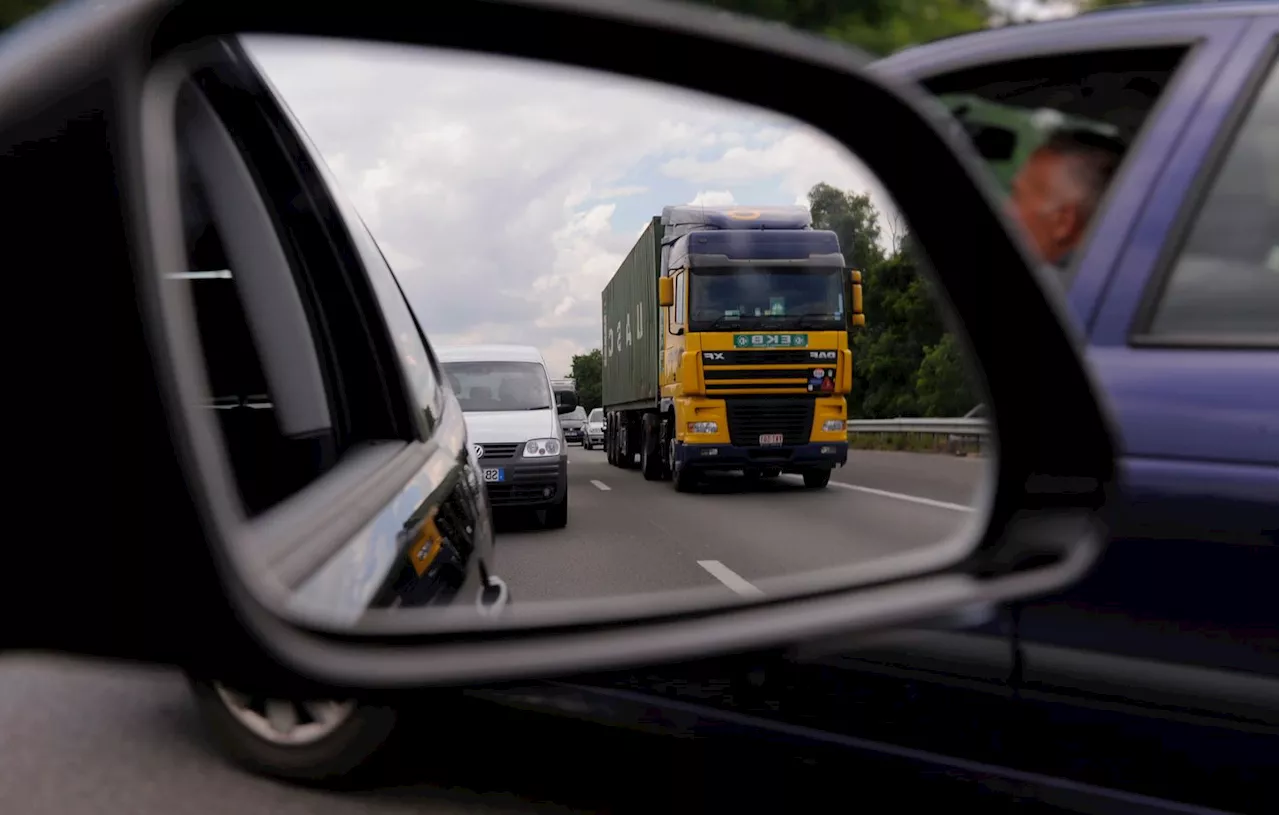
column 630, row 341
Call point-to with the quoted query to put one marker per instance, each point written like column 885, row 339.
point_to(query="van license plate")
column 492, row 474
column 771, row 439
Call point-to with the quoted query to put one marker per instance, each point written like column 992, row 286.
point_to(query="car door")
column 1185, row 344
column 1201, row 45
column 429, row 541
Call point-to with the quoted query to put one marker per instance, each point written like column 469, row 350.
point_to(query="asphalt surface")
column 630, row 536
column 84, row 738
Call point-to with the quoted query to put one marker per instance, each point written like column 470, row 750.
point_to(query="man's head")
column 1056, row 192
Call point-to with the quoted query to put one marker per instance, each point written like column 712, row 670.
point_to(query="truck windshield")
column 497, row 386
column 761, row 296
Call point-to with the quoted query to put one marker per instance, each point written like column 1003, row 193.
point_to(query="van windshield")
column 499, row 386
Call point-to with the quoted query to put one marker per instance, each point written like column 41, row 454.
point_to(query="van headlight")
column 541, row 448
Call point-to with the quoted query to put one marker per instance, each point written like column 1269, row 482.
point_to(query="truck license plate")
column 492, row 474
column 771, row 439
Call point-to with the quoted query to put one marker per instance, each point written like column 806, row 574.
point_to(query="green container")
column 631, row 340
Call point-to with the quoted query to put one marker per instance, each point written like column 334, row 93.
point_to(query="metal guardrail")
column 941, row 427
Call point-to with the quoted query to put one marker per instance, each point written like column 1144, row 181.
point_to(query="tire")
column 341, row 754
column 683, row 478
column 816, row 479
column 557, row 515
column 650, row 461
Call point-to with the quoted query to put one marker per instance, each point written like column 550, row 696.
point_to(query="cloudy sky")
column 504, row 194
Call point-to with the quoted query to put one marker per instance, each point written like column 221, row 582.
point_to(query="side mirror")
column 666, row 292
column 304, row 594
column 856, row 317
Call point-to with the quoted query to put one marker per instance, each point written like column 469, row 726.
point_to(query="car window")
column 267, row 465
column 1100, row 99
column 597, row 415
column 1223, row 283
column 497, row 386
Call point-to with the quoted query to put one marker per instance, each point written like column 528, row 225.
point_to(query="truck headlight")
column 833, row 426
column 541, row 448
column 703, row 427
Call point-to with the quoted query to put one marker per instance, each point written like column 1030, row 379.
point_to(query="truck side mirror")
column 856, row 317
column 666, row 291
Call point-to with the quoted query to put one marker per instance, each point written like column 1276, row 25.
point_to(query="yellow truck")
column 726, row 346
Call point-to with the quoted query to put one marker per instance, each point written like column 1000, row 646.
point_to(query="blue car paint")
column 1191, row 578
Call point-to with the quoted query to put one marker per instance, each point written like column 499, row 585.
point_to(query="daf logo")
column 822, row 355
column 713, row 354
column 478, row 450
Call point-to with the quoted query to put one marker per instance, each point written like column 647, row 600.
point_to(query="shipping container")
column 631, row 340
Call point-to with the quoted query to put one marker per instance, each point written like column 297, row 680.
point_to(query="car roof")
column 1149, row 13
column 490, row 353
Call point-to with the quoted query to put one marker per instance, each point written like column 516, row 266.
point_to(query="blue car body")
column 1191, row 578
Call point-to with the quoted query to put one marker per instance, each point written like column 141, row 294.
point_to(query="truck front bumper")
column 794, row 458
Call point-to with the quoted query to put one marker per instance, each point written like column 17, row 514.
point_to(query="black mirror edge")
column 1054, row 490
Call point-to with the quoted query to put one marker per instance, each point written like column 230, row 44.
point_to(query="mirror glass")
column 778, row 428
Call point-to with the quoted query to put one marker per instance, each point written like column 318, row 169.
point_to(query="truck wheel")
column 816, row 479
column 650, row 461
column 309, row 742
column 557, row 515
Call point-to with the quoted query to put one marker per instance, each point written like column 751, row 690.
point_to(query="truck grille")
column 801, row 374
column 751, row 417
column 789, row 357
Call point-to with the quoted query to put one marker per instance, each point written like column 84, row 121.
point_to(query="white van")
column 513, row 426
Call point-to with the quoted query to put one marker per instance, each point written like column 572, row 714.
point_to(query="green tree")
column 855, row 221
column 904, row 363
column 943, row 387
column 877, row 26
column 585, row 371
column 13, row 12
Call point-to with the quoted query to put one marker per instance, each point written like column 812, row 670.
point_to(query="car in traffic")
column 593, row 433
column 574, row 424
column 513, row 426
column 444, row 539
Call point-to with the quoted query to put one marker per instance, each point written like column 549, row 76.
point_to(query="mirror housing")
column 1051, row 502
column 666, row 292
column 563, row 408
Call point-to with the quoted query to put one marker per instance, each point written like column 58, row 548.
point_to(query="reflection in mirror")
column 691, row 346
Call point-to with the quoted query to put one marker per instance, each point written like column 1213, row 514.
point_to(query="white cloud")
column 714, row 198
column 504, row 195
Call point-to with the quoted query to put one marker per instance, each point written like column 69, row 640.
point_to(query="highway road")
column 83, row 738
column 631, row 536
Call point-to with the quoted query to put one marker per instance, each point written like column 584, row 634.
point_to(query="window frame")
column 1139, row 335
column 281, row 551
column 680, row 306
column 1193, row 48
